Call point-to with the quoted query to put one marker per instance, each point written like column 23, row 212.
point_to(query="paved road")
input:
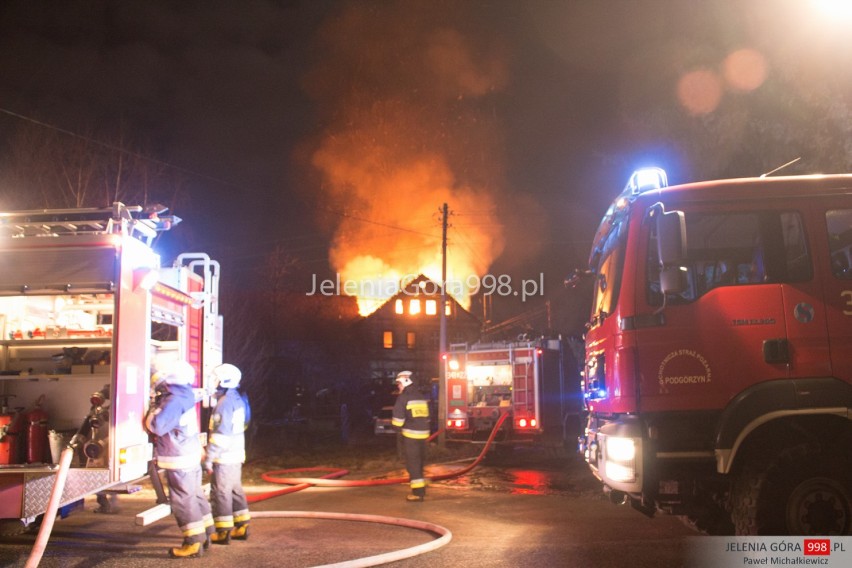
column 546, row 515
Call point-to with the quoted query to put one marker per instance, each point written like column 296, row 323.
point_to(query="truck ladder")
column 142, row 223
column 520, row 384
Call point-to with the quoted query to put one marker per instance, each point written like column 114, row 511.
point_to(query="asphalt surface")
column 504, row 514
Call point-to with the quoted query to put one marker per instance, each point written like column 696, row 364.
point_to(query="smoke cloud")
column 408, row 100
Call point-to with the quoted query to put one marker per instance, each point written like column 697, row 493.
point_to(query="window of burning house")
column 410, row 340
column 414, row 307
column 399, row 308
column 387, row 339
column 431, row 307
column 735, row 248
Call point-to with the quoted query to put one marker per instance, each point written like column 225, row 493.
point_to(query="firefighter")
column 172, row 419
column 411, row 416
column 226, row 453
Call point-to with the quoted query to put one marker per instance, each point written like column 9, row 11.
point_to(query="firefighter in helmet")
column 226, row 452
column 411, row 416
column 172, row 419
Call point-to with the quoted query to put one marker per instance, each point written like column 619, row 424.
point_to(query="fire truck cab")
column 718, row 370
column 87, row 314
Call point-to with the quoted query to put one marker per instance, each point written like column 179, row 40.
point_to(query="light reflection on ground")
column 529, row 472
column 530, row 482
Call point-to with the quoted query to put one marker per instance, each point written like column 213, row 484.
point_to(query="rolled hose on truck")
column 298, row 484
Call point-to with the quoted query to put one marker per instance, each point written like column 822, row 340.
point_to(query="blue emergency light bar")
column 646, row 179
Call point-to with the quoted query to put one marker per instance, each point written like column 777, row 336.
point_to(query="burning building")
column 404, row 333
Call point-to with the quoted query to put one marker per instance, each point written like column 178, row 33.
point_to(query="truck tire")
column 799, row 493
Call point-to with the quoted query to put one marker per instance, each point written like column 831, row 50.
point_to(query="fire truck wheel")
column 800, row 493
column 12, row 527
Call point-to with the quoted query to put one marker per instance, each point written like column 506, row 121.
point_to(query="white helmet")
column 404, row 379
column 228, row 375
column 177, row 373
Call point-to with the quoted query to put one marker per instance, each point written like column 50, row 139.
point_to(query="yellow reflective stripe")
column 418, row 408
column 221, row 440
column 417, row 483
column 242, row 516
column 179, row 462
column 397, row 422
column 231, row 458
column 415, row 434
column 193, row 528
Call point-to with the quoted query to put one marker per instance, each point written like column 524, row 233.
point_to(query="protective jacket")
column 228, row 424
column 173, row 420
column 411, row 414
column 225, row 455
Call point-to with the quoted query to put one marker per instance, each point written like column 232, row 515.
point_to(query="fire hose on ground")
column 296, row 484
column 330, row 479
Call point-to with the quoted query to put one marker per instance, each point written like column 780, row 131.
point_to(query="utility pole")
column 442, row 349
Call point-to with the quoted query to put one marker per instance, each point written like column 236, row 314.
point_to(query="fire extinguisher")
column 36, row 424
column 8, row 446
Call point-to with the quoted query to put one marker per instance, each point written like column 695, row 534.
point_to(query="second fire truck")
column 87, row 313
column 534, row 381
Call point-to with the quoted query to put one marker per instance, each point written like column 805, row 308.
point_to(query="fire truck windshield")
column 610, row 259
column 733, row 249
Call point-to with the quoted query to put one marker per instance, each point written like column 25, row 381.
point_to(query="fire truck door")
column 788, row 261
column 807, row 335
column 834, row 238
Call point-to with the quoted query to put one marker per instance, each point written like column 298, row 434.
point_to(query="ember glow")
column 396, row 234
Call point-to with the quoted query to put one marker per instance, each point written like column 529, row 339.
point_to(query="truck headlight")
column 619, row 464
column 620, row 449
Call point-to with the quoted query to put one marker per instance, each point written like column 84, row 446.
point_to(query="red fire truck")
column 718, row 370
column 86, row 314
column 535, row 381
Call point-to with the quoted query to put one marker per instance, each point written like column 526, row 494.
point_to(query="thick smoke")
column 408, row 102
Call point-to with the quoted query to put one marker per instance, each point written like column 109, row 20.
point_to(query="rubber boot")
column 221, row 537
column 240, row 533
column 412, row 497
column 187, row 550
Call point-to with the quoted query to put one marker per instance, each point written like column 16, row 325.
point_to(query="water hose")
column 52, row 508
column 444, row 534
column 295, row 484
column 331, row 478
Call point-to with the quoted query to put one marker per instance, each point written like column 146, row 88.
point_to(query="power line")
column 381, row 224
column 194, row 173
column 116, row 148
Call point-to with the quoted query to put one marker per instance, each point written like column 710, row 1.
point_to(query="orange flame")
column 409, row 127
column 396, row 234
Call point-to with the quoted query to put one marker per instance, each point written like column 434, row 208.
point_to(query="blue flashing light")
column 646, row 179
column 595, row 394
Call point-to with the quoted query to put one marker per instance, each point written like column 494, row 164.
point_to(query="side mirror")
column 671, row 238
column 671, row 249
column 673, row 280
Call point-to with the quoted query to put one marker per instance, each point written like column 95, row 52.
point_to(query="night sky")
column 319, row 126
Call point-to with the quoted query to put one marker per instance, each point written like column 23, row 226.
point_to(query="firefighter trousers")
column 189, row 505
column 230, row 507
column 415, row 459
